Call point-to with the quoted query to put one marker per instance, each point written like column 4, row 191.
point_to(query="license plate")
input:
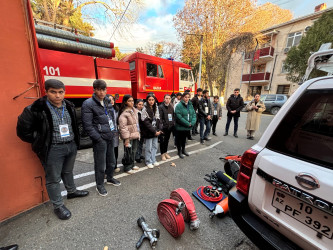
column 308, row 215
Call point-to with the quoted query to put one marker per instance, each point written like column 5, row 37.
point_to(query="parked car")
column 283, row 198
column 272, row 102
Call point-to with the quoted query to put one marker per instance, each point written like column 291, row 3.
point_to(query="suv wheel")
column 274, row 110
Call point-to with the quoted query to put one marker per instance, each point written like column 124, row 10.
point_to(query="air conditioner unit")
column 267, row 87
column 307, row 29
column 286, row 50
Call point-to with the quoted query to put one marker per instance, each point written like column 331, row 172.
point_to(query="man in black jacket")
column 234, row 105
column 195, row 102
column 205, row 116
column 49, row 124
column 99, row 122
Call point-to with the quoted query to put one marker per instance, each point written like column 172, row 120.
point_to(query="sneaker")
column 190, row 138
column 102, row 191
column 150, row 166
column 116, row 170
column 206, row 139
column 225, row 134
column 214, row 134
column 167, row 156
column 131, row 171
column 202, row 141
column 113, row 182
column 163, row 157
column 236, row 135
column 135, row 168
column 156, row 164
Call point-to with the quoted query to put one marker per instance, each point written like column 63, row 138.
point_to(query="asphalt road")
column 111, row 221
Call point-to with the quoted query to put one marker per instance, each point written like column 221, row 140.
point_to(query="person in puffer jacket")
column 168, row 120
column 151, row 127
column 129, row 130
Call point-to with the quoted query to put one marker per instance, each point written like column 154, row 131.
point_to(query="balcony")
column 265, row 55
column 257, row 79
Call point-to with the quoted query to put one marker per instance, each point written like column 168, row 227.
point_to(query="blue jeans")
column 229, row 118
column 104, row 160
column 59, row 166
column 203, row 123
column 150, row 150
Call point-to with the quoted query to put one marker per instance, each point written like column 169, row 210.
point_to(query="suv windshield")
column 306, row 132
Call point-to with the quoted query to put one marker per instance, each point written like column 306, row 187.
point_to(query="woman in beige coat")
column 129, row 131
column 255, row 108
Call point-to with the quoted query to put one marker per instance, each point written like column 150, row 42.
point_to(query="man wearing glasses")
column 99, row 121
column 234, row 105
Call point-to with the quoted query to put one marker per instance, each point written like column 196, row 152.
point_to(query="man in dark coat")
column 205, row 116
column 99, row 122
column 234, row 105
column 195, row 102
column 49, row 124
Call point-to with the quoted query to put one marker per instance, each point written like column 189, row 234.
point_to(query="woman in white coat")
column 255, row 108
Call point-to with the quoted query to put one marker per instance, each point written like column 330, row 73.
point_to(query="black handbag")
column 128, row 156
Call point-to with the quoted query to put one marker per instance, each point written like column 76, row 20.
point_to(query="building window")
column 132, row 65
column 259, row 68
column 283, row 89
column 151, row 70
column 255, row 90
column 160, row 72
column 183, row 75
column 293, row 39
column 283, row 69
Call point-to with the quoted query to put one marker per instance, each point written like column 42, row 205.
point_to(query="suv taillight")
column 245, row 171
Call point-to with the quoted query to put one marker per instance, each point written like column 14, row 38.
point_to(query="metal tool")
column 151, row 234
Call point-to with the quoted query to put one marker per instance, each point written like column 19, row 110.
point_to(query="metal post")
column 201, row 42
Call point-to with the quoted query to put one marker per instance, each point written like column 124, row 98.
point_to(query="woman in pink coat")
column 129, row 131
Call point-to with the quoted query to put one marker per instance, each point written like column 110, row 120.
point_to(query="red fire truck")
column 77, row 61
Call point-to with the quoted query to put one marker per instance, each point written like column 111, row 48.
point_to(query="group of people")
column 50, row 125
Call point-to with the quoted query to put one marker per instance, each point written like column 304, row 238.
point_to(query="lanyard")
column 63, row 111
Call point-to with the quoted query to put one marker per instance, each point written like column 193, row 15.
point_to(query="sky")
column 155, row 22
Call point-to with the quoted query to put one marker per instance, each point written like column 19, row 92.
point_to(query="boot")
column 163, row 157
column 167, row 156
column 184, row 152
column 180, row 154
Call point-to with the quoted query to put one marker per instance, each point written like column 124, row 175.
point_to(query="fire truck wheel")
column 85, row 141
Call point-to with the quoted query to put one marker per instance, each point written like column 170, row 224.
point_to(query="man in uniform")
column 49, row 124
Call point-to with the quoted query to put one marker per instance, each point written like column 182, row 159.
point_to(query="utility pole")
column 201, row 42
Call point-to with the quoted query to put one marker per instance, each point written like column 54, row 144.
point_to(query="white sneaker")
column 150, row 166
column 156, row 164
column 130, row 171
column 135, row 168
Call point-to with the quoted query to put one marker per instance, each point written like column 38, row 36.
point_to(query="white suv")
column 284, row 193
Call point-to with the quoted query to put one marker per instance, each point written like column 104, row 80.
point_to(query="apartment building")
column 268, row 75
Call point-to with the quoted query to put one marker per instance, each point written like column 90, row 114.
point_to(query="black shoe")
column 214, row 134
column 202, row 141
column 185, row 153
column 206, row 139
column 248, row 137
column 180, row 154
column 11, row 247
column 113, row 182
column 190, row 138
column 236, row 135
column 197, row 132
column 142, row 157
column 63, row 213
column 251, row 138
column 101, row 190
column 77, row 193
column 138, row 160
column 225, row 134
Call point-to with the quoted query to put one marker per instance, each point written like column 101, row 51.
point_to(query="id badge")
column 64, row 130
column 215, row 112
column 206, row 109
column 111, row 124
column 170, row 117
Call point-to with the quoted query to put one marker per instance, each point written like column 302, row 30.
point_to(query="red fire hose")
column 173, row 212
